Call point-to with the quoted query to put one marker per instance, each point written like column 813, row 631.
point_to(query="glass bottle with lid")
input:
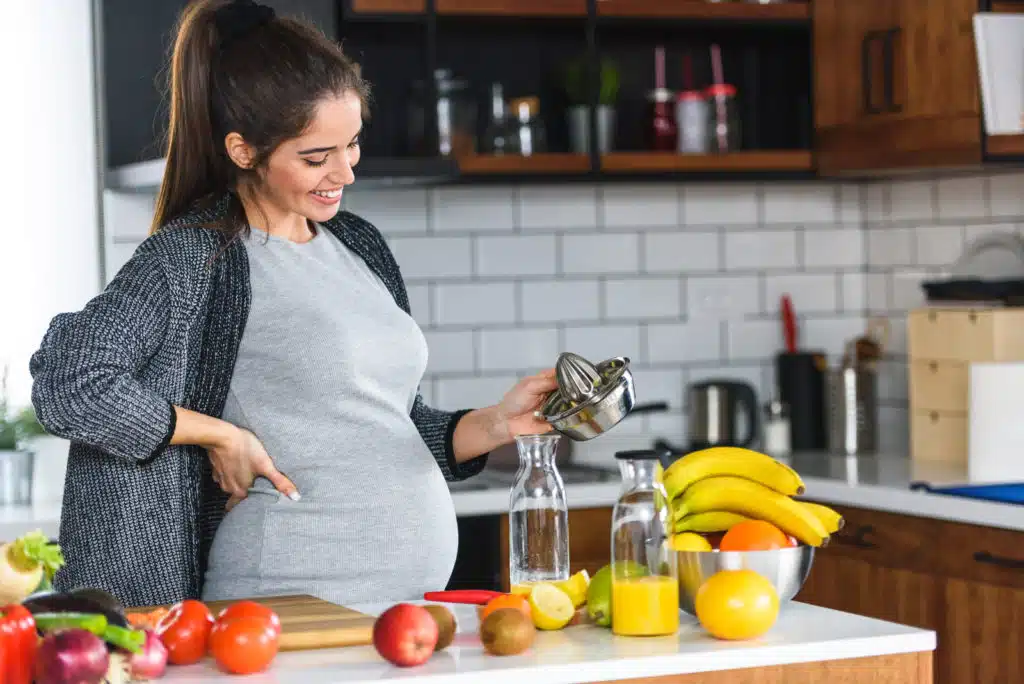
column 645, row 580
column 538, row 519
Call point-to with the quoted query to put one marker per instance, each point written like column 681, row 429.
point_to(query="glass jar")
column 663, row 132
column 538, row 517
column 645, row 579
column 455, row 135
column 527, row 128
column 692, row 121
column 723, row 118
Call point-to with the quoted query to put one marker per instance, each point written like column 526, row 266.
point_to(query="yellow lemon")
column 576, row 587
column 737, row 604
column 690, row 541
column 550, row 607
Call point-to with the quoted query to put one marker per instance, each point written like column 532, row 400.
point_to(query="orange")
column 737, row 604
column 518, row 601
column 754, row 535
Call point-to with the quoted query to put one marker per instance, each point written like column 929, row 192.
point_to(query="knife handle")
column 472, row 596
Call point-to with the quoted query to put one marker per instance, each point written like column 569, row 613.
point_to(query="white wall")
column 49, row 228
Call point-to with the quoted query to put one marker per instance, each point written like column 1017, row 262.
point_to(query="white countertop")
column 879, row 482
column 803, row 633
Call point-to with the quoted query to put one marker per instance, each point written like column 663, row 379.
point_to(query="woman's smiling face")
column 306, row 175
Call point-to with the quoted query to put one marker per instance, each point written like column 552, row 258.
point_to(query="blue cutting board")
column 1008, row 492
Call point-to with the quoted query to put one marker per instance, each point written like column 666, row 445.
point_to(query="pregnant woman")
column 256, row 355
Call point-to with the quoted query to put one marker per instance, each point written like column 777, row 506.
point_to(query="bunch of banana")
column 713, row 489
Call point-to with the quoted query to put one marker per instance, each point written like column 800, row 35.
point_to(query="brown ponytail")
column 264, row 85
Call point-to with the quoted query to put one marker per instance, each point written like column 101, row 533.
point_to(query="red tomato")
column 185, row 630
column 754, row 535
column 243, row 645
column 251, row 609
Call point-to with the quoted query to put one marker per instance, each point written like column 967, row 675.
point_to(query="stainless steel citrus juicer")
column 590, row 400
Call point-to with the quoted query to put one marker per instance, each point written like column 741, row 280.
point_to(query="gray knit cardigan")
column 139, row 514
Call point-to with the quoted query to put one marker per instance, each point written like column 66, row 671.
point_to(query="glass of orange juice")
column 645, row 581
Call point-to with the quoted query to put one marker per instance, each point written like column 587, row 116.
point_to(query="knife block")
column 801, row 380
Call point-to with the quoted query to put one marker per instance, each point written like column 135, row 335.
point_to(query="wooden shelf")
column 1008, row 145
column 514, row 8
column 389, row 6
column 1012, row 7
column 534, row 164
column 754, row 160
column 698, row 9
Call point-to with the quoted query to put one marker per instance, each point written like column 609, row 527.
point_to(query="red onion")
column 151, row 661
column 72, row 656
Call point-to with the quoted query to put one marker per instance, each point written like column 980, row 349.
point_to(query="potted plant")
column 579, row 114
column 23, row 440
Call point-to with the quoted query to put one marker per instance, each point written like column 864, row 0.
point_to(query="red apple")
column 405, row 635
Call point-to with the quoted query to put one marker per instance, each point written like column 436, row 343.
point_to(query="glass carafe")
column 645, row 581
column 538, row 518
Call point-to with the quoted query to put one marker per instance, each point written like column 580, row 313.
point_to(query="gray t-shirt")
column 326, row 375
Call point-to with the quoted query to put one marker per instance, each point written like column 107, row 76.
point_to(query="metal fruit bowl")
column 786, row 569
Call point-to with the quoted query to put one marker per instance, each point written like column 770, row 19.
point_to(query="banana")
column 832, row 521
column 753, row 499
column 732, row 461
column 712, row 521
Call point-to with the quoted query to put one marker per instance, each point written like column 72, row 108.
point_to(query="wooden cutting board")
column 308, row 623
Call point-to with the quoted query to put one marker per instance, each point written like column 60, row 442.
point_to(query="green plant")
column 576, row 82
column 15, row 428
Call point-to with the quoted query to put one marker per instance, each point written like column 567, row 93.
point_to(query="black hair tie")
column 236, row 19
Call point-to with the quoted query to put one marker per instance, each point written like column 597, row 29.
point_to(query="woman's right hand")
column 237, row 456
column 238, row 460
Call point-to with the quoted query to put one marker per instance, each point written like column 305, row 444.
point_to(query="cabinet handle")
column 933, row 366
column 989, row 559
column 866, row 71
column 857, row 538
column 888, row 65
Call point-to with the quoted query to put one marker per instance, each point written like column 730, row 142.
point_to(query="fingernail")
column 294, row 496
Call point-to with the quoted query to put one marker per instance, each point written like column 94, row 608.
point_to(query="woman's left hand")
column 515, row 412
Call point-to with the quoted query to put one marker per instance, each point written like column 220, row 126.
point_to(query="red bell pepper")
column 18, row 644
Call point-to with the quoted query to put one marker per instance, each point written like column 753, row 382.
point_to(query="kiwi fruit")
column 507, row 631
column 445, row 626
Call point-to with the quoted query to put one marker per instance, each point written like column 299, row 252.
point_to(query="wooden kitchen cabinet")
column 966, row 582
column 896, row 85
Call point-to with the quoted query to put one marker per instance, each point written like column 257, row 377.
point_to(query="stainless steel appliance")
column 716, row 411
column 852, row 409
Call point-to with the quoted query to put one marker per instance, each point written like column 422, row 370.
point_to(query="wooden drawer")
column 939, row 436
column 982, row 554
column 885, row 539
column 966, row 334
column 937, row 385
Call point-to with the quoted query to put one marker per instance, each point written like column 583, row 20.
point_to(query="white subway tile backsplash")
column 850, row 210
column 893, row 430
column 810, row 292
column 393, row 212
column 876, row 202
column 455, row 394
column 1006, row 195
column 831, row 334
column 515, row 255
column 912, row 201
column 878, row 292
column 760, row 249
column 600, row 254
column 829, row 248
column 474, row 303
column 419, row 303
column 720, row 204
column 670, row 426
column 893, row 382
column 599, row 342
column 800, row 204
column 889, row 246
column 473, row 209
column 559, row 208
column 853, row 292
column 684, row 342
column 752, row 340
column 939, row 245
column 433, row 257
column 638, row 206
column 722, row 296
column 978, row 230
column 516, row 350
column 566, row 300
column 449, row 351
column 662, row 384
column 897, row 334
column 643, row 298
column 962, row 198
column 681, row 252
column 906, row 289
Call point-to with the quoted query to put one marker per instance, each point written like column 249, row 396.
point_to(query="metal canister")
column 852, row 410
